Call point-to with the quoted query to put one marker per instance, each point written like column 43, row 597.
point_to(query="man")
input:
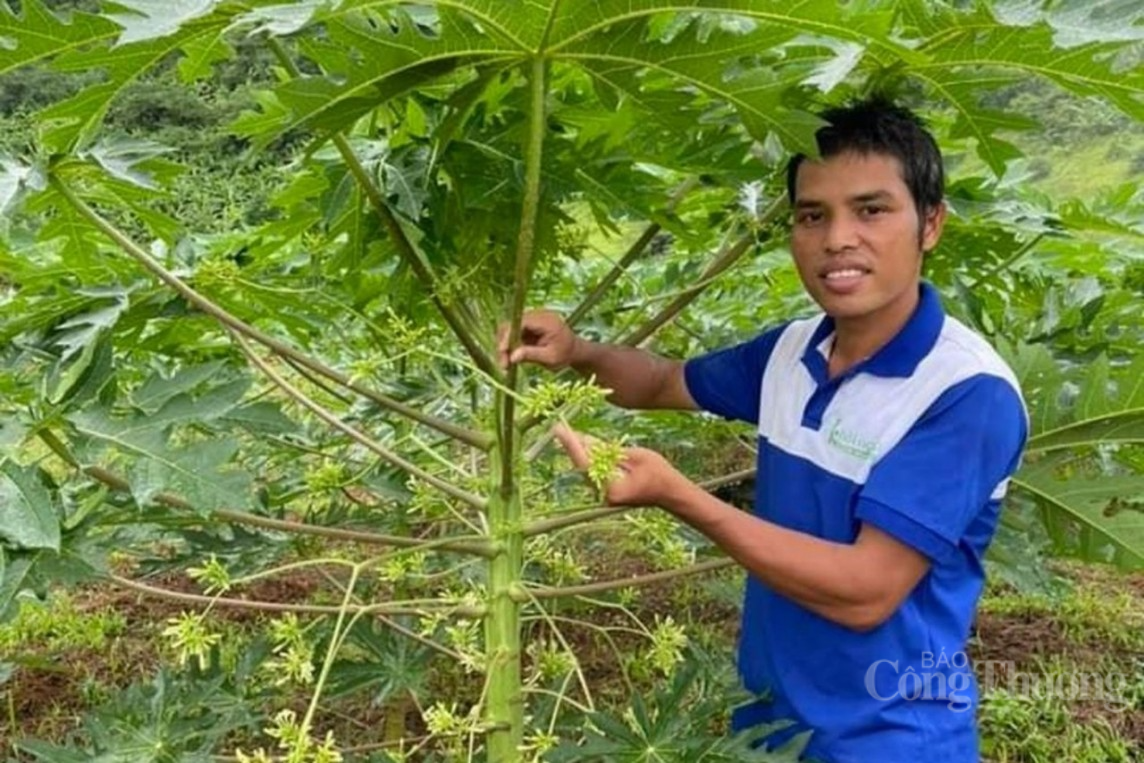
column 887, row 434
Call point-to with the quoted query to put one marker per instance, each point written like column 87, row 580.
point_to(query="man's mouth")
column 834, row 275
column 842, row 281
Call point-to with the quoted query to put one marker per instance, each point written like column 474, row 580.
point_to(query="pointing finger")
column 573, row 445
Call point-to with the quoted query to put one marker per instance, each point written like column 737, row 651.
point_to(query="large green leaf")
column 154, row 393
column 178, row 409
column 393, row 54
column 372, row 61
column 37, row 34
column 149, row 19
column 29, row 517
column 972, row 52
column 1105, row 411
column 201, row 472
column 75, row 120
column 1109, row 508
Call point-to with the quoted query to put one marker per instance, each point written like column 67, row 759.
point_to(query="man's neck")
column 856, row 339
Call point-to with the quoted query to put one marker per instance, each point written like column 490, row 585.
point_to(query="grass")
column 1088, row 614
column 1070, row 684
column 59, row 625
column 1040, row 729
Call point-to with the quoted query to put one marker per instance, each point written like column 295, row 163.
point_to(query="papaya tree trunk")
column 505, row 708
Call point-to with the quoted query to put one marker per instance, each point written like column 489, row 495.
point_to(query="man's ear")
column 932, row 227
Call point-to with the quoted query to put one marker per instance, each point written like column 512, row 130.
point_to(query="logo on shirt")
column 851, row 443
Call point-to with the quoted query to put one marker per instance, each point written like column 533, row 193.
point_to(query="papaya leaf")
column 828, row 75
column 180, row 408
column 391, row 58
column 15, row 577
column 126, row 159
column 75, row 120
column 1079, row 23
column 1111, row 507
column 16, row 179
column 82, row 330
column 973, row 52
column 150, row 19
column 1106, row 411
column 150, row 396
column 283, row 19
column 29, row 517
column 202, row 53
column 201, row 473
column 260, row 418
column 38, row 34
column 78, row 381
column 757, row 92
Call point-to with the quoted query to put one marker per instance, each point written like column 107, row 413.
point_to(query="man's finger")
column 573, row 445
column 531, row 354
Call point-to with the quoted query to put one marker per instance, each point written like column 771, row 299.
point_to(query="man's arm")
column 856, row 585
column 638, row 379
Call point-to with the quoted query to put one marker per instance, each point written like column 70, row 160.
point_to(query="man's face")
column 855, row 236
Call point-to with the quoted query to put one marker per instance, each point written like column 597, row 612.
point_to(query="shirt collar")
column 901, row 355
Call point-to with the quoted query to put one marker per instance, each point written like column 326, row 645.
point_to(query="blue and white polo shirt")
column 920, row 440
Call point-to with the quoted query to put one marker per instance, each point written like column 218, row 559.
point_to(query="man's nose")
column 841, row 233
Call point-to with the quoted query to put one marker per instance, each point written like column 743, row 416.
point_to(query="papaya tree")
column 319, row 392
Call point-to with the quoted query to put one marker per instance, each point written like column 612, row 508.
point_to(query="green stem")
column 460, row 545
column 292, row 567
column 298, row 396
column 634, row 582
column 331, row 652
column 505, row 707
column 411, row 607
column 404, row 246
column 526, row 241
column 545, row 526
column 504, row 710
column 137, row 253
column 631, row 255
column 571, row 519
column 725, row 260
column 546, row 616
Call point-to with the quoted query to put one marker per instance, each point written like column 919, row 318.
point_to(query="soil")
column 48, row 697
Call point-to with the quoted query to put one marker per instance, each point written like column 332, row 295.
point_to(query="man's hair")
column 876, row 125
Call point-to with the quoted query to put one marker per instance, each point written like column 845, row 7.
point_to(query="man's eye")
column 809, row 218
column 871, row 210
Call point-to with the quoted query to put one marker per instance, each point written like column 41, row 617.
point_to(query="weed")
column 59, row 625
column 1019, row 728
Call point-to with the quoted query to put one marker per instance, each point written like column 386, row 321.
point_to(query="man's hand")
column 645, row 478
column 545, row 340
column 638, row 379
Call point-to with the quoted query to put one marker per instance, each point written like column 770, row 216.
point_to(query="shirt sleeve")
column 728, row 382
column 957, row 458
